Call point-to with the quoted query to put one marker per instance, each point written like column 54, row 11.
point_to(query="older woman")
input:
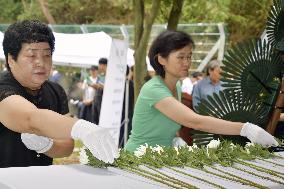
column 29, row 103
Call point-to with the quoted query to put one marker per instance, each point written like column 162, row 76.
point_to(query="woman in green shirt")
column 159, row 113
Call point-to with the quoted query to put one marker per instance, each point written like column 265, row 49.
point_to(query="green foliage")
column 31, row 11
column 247, row 19
column 90, row 11
column 151, row 162
column 9, row 10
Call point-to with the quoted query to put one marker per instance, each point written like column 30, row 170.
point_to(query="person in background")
column 208, row 85
column 55, row 76
column 85, row 106
column 279, row 132
column 188, row 83
column 196, row 76
column 129, row 87
column 184, row 135
column 158, row 112
column 99, row 87
column 33, row 125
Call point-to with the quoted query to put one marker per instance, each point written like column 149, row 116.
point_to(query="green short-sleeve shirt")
column 149, row 125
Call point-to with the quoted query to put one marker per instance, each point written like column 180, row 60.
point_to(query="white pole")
column 222, row 42
column 126, row 106
column 126, row 96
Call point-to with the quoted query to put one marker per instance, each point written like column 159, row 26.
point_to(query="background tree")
column 247, row 19
column 175, row 14
column 244, row 19
column 45, row 11
column 143, row 21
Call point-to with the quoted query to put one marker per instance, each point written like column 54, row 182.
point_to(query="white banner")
column 112, row 101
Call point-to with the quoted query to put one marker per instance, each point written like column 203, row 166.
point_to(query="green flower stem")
column 278, row 156
column 237, row 178
column 262, row 159
column 187, row 185
column 198, row 178
column 152, row 176
column 263, row 177
column 262, row 169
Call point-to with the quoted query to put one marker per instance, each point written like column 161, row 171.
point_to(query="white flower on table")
column 157, row 149
column 213, row 144
column 232, row 146
column 141, row 150
column 176, row 148
column 83, row 158
column 248, row 144
column 190, row 148
column 194, row 146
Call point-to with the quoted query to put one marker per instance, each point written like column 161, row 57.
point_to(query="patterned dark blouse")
column 13, row 152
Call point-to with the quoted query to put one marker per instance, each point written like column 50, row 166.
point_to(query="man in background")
column 99, row 87
column 209, row 85
column 189, row 82
column 85, row 106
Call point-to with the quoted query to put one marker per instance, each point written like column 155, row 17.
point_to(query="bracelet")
column 279, row 107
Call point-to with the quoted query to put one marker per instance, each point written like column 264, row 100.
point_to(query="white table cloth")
column 85, row 177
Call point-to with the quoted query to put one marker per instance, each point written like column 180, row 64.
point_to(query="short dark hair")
column 102, row 61
column 164, row 44
column 27, row 31
column 94, row 67
column 196, row 74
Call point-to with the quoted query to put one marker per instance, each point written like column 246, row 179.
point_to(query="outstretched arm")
column 27, row 118
column 20, row 115
column 185, row 116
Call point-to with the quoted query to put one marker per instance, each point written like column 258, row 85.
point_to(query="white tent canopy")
column 81, row 50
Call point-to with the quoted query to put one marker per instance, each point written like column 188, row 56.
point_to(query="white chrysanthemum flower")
column 194, row 146
column 83, row 158
column 141, row 150
column 190, row 148
column 157, row 149
column 232, row 146
column 248, row 144
column 207, row 151
column 176, row 148
column 248, row 152
column 213, row 144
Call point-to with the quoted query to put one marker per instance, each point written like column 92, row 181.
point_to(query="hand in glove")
column 258, row 135
column 97, row 139
column 40, row 144
column 178, row 142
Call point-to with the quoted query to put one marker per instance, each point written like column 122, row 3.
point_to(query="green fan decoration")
column 233, row 106
column 251, row 78
column 254, row 69
column 275, row 23
column 252, row 75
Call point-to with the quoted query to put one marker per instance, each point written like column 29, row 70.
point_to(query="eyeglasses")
column 35, row 52
column 182, row 58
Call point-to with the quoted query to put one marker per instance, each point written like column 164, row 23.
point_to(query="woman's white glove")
column 97, row 139
column 258, row 135
column 40, row 144
column 178, row 142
